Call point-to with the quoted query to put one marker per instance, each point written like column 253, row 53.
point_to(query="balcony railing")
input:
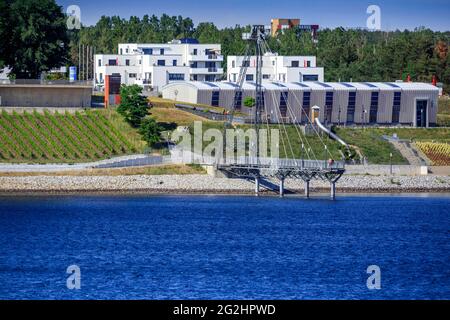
column 216, row 57
column 205, row 70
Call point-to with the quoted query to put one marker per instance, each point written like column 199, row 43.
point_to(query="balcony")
column 206, row 70
column 210, row 57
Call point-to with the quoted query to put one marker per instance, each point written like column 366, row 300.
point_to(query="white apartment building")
column 155, row 65
column 277, row 68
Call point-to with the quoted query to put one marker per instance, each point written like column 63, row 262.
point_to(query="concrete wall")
column 407, row 170
column 45, row 96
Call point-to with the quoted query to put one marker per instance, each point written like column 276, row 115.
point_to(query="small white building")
column 277, row 68
column 154, row 65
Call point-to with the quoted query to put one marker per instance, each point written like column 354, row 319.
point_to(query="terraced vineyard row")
column 61, row 138
column 437, row 152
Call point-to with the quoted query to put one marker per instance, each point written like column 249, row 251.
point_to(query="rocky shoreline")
column 203, row 184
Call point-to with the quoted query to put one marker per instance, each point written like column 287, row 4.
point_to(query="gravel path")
column 207, row 184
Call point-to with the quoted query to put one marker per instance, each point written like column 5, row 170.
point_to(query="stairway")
column 410, row 153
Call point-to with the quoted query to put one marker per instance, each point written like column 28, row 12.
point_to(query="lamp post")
column 339, row 116
column 364, row 117
column 390, row 162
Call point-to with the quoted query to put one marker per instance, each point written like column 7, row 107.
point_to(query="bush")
column 150, row 131
column 249, row 102
column 133, row 105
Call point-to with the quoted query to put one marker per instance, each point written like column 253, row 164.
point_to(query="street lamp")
column 390, row 162
column 364, row 117
column 339, row 116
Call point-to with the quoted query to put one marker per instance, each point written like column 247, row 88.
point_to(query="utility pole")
column 82, row 62
column 87, row 62
column 79, row 61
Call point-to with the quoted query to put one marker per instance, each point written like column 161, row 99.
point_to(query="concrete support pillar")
column 257, row 186
column 333, row 190
column 281, row 187
column 307, row 189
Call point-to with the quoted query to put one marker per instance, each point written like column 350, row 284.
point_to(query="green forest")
column 35, row 39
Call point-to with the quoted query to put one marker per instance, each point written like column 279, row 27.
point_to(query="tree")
column 36, row 37
column 133, row 105
column 150, row 131
column 4, row 19
column 249, row 102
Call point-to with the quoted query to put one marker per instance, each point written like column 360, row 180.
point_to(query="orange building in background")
column 281, row 24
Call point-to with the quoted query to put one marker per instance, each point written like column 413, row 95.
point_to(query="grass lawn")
column 168, row 116
column 443, row 116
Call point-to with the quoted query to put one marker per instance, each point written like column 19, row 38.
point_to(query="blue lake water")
column 224, row 247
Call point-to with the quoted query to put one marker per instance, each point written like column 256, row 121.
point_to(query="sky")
column 395, row 14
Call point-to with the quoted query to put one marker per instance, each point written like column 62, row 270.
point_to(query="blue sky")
column 398, row 14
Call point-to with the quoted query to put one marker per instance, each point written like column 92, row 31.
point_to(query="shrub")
column 133, row 105
column 249, row 102
column 150, row 131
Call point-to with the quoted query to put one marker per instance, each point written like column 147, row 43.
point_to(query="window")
column 99, row 62
column 396, row 107
column 148, row 78
column 195, row 52
column 161, row 51
column 294, row 64
column 351, row 107
column 194, row 77
column 174, row 63
column 273, row 62
column 308, row 64
column 121, row 52
column 215, row 98
column 328, row 106
column 100, row 77
column 176, row 76
column 306, row 105
column 283, row 103
column 246, row 63
column 140, row 61
column 233, row 64
column 112, row 62
column 127, row 62
column 194, row 64
column 161, row 62
column 234, row 77
column 373, row 107
column 210, row 78
column 148, row 51
column 238, row 100
column 310, row 77
column 249, row 77
column 132, row 75
column 266, row 76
